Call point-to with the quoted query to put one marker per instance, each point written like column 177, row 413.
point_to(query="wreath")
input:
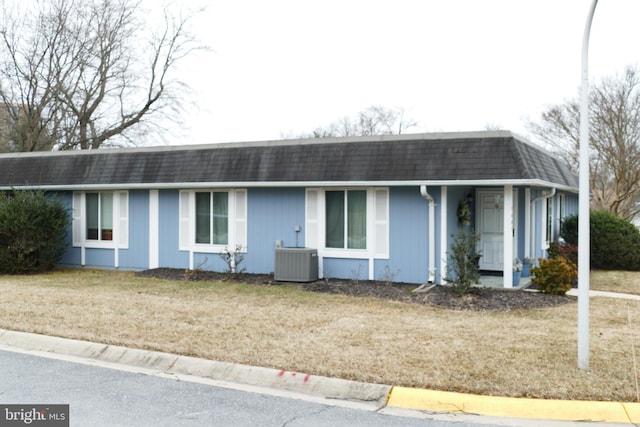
column 464, row 213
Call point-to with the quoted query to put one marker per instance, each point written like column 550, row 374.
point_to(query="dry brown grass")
column 520, row 353
column 627, row 282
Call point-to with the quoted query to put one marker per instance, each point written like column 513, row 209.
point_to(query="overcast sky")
column 285, row 67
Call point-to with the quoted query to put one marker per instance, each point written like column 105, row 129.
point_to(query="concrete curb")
column 313, row 385
column 509, row 407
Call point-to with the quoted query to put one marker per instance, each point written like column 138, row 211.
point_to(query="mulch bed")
column 480, row 299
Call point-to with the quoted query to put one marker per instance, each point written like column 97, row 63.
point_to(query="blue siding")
column 273, row 215
column 137, row 255
column 72, row 255
column 353, row 269
column 168, row 223
column 408, row 236
column 99, row 257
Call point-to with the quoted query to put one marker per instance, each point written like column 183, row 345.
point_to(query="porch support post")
column 444, row 234
column 527, row 222
column 507, row 262
column 154, row 229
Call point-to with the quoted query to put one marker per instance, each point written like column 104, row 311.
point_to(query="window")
column 348, row 223
column 346, row 219
column 549, row 213
column 99, row 212
column 101, row 219
column 212, row 218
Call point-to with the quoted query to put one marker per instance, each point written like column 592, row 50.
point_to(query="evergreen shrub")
column 615, row 242
column 33, row 227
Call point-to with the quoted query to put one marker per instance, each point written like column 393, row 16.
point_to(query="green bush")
column 569, row 229
column 554, row 275
column 615, row 243
column 569, row 251
column 462, row 264
column 32, row 231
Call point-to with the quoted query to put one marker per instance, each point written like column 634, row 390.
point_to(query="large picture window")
column 212, row 218
column 346, row 219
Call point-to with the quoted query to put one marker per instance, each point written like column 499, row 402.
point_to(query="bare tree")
column 81, row 74
column 374, row 120
column 614, row 139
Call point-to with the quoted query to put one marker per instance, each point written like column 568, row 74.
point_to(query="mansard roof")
column 489, row 158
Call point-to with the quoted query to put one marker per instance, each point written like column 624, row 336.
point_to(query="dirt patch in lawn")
column 480, row 299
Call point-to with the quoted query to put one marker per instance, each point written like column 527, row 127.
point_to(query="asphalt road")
column 100, row 396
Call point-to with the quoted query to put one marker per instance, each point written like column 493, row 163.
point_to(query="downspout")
column 432, row 234
column 545, row 196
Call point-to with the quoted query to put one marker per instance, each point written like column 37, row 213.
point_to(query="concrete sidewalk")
column 574, row 292
column 364, row 395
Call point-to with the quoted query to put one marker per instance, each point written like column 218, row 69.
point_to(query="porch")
column 495, row 281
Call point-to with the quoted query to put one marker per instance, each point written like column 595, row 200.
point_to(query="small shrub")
column 33, row 227
column 568, row 251
column 388, row 276
column 554, row 275
column 233, row 259
column 462, row 264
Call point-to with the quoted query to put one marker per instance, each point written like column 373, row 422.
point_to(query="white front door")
column 490, row 227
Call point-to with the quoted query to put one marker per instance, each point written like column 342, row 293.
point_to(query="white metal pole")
column 583, row 207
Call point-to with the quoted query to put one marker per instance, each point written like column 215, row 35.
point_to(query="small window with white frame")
column 346, row 219
column 100, row 219
column 212, row 220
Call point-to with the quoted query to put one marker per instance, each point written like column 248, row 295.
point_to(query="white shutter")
column 381, row 222
column 77, row 225
column 312, row 219
column 241, row 219
column 123, row 219
column 184, row 228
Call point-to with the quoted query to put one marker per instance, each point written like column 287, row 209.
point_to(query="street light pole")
column 583, row 204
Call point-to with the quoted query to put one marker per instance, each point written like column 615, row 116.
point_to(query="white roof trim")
column 281, row 184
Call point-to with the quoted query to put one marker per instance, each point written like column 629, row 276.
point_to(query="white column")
column 527, row 222
column 444, row 233
column 154, row 230
column 507, row 262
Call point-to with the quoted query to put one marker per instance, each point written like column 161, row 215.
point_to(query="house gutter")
column 432, row 235
column 278, row 184
column 545, row 196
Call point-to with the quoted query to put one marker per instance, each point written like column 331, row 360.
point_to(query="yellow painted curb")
column 561, row 410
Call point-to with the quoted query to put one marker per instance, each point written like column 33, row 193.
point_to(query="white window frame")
column 120, row 231
column 549, row 215
column 237, row 222
column 562, row 212
column 377, row 224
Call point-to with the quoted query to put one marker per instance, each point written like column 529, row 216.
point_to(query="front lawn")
column 513, row 353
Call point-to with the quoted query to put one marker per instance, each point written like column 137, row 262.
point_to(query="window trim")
column 236, row 221
column 377, row 234
column 346, row 219
column 120, row 221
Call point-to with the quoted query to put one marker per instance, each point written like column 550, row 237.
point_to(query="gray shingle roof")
column 482, row 156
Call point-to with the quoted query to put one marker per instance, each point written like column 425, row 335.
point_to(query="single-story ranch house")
column 371, row 206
